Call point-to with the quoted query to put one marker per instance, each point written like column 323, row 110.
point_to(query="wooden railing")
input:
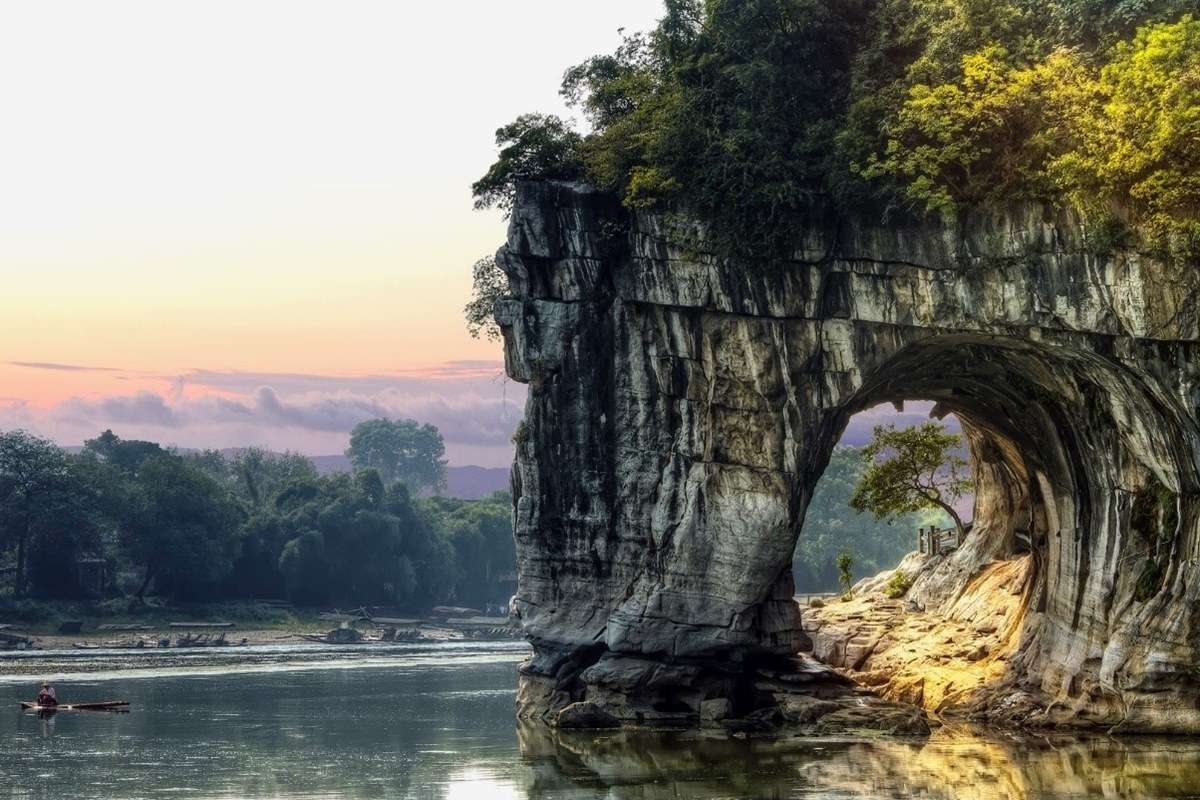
column 932, row 541
column 806, row 598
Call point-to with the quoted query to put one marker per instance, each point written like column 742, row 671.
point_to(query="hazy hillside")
column 468, row 482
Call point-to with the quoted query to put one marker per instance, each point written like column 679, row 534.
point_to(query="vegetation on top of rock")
column 742, row 112
column 532, row 145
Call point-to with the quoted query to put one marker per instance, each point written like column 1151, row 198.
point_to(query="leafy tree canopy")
column 400, row 450
column 910, row 470
column 35, row 482
column 201, row 527
column 181, row 528
column 532, row 145
column 125, row 454
column 742, row 111
column 488, row 284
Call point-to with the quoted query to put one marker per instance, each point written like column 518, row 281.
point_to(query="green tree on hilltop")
column 540, row 145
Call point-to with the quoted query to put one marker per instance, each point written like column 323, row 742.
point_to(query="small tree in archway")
column 910, row 470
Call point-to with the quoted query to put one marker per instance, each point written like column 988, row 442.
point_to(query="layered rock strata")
column 682, row 408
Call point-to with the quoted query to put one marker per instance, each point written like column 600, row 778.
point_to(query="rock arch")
column 682, row 408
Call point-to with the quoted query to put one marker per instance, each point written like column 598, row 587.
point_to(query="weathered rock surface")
column 585, row 715
column 682, row 408
column 947, row 659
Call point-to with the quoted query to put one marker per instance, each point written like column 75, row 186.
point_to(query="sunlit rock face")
column 682, row 408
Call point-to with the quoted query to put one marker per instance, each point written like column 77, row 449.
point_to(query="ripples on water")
column 437, row 722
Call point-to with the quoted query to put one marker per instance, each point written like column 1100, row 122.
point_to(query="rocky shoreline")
column 796, row 695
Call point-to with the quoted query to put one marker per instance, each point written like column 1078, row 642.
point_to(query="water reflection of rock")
column 953, row 764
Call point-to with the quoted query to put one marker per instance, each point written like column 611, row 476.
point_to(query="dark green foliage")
column 742, row 112
column 540, row 145
column 30, row 612
column 124, row 454
column 42, row 498
column 761, row 93
column 727, row 108
column 482, row 537
column 400, row 450
column 1098, row 24
column 302, row 564
column 182, row 532
column 256, row 571
column 201, row 527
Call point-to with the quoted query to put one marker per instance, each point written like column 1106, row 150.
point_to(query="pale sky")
column 233, row 223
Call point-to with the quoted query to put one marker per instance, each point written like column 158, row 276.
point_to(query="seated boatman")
column 47, row 696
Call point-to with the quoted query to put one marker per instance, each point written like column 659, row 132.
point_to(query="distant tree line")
column 206, row 526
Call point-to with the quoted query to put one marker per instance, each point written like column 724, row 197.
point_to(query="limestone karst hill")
column 682, row 407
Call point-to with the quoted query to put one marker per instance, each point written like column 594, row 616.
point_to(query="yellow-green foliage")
column 1125, row 135
column 990, row 136
column 898, row 585
column 1140, row 140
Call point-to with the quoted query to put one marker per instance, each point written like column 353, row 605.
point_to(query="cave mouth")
column 1068, row 451
column 1058, row 439
column 1029, row 417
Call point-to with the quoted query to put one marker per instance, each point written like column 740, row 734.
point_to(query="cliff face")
column 682, row 408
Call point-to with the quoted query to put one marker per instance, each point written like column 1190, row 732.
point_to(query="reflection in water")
column 444, row 728
column 954, row 763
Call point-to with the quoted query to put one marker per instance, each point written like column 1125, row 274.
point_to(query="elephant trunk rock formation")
column 682, row 408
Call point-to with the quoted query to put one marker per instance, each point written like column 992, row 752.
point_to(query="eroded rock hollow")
column 682, row 408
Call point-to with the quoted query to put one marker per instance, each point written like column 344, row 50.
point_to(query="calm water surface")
column 438, row 723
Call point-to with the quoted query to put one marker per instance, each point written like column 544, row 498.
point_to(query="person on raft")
column 47, row 696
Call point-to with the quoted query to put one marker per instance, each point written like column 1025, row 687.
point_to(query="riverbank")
column 67, row 665
column 944, row 660
column 90, row 626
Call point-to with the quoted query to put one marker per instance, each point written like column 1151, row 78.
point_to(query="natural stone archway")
column 682, row 408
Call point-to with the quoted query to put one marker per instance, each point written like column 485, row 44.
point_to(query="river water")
column 437, row 722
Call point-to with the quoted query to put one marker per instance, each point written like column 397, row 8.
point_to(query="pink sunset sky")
column 225, row 224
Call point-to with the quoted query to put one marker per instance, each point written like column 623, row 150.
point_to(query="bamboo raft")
column 105, row 705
